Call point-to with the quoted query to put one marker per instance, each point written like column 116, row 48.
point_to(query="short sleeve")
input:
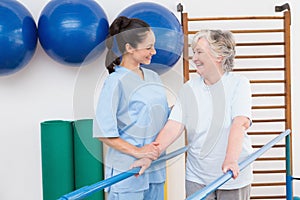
column 241, row 104
column 105, row 122
column 176, row 112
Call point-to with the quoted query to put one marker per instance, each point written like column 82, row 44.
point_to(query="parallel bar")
column 201, row 194
column 88, row 190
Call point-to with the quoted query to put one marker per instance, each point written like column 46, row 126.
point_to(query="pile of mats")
column 71, row 158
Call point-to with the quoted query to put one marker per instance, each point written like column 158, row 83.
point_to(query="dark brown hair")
column 123, row 30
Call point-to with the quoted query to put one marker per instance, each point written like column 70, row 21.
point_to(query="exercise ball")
column 167, row 30
column 18, row 36
column 72, row 31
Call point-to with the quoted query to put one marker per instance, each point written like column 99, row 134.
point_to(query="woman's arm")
column 150, row 151
column 235, row 142
column 170, row 132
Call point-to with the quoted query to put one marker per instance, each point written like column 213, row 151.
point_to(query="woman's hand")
column 150, row 151
column 232, row 165
column 144, row 163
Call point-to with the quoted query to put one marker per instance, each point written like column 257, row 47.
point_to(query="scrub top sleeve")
column 241, row 105
column 105, row 123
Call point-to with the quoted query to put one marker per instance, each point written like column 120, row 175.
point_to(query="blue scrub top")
column 134, row 110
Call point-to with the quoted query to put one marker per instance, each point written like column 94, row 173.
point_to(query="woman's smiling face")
column 207, row 64
column 145, row 50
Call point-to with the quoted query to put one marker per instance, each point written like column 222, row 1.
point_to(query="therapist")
column 132, row 109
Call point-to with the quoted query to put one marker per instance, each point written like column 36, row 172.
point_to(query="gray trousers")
column 235, row 194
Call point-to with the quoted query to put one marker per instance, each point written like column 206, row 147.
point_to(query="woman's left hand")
column 150, row 151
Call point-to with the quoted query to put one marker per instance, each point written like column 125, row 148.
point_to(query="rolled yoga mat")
column 57, row 158
column 88, row 157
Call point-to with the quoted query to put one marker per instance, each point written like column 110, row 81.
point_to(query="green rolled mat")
column 57, row 158
column 87, row 157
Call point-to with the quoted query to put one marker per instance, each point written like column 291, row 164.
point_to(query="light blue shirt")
column 134, row 110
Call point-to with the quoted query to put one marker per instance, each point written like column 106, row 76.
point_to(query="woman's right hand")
column 144, row 163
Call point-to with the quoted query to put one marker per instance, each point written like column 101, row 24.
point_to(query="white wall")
column 44, row 90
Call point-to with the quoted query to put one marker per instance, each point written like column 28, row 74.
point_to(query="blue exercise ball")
column 167, row 30
column 18, row 36
column 72, row 31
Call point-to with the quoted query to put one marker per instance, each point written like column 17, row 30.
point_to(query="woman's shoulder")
column 236, row 80
column 236, row 77
column 114, row 78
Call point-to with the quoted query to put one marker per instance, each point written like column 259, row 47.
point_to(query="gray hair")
column 221, row 42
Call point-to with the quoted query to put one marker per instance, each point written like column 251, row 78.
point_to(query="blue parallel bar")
column 201, row 194
column 289, row 178
column 88, row 190
column 289, row 187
